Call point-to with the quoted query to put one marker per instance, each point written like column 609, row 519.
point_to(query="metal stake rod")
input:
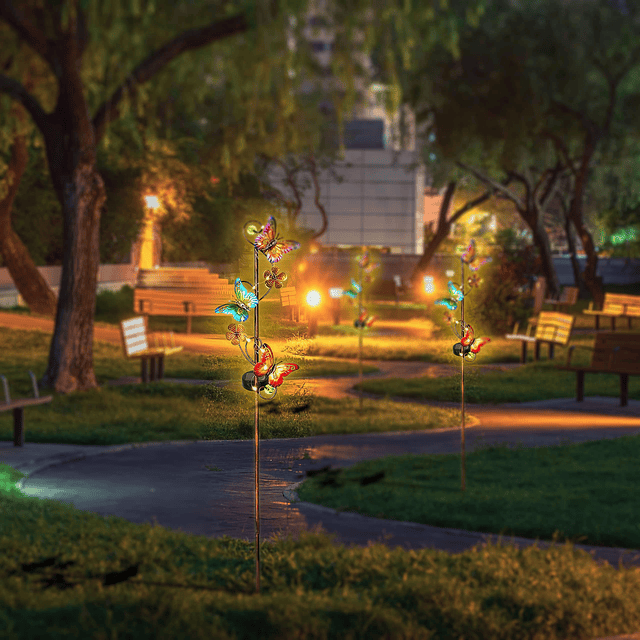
column 360, row 331
column 462, row 460
column 256, row 433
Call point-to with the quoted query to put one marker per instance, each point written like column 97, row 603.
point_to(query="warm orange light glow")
column 428, row 284
column 152, row 202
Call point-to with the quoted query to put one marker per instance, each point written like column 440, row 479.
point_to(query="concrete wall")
column 337, row 268
column 378, row 203
column 110, row 276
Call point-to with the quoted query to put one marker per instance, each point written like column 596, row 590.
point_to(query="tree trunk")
column 575, row 265
column 70, row 365
column 541, row 240
column 441, row 233
column 593, row 282
column 28, row 281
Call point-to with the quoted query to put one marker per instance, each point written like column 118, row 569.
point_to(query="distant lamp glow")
column 450, row 273
column 152, row 202
column 313, row 298
column 335, row 292
column 428, row 284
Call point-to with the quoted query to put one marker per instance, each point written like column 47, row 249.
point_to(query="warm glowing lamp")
column 313, row 298
column 146, row 236
column 428, row 284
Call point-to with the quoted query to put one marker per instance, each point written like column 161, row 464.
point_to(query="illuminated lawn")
column 185, row 586
column 534, row 381
column 585, row 492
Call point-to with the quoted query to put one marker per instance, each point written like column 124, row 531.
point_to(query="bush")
column 503, row 298
column 114, row 306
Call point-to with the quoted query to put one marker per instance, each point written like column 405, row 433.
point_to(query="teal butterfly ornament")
column 456, row 296
column 354, row 291
column 239, row 308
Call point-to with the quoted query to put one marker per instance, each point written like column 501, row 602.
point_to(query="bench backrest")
column 288, row 296
column 182, row 279
column 134, row 335
column 554, row 326
column 621, row 303
column 617, row 350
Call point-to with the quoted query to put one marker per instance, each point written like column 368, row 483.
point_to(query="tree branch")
column 17, row 91
column 561, row 148
column 23, row 24
column 496, row 186
column 191, row 39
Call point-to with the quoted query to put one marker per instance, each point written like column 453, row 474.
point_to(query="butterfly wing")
column 370, row 320
column 477, row 266
column 233, row 309
column 280, row 249
column 267, row 235
column 478, row 343
column 350, row 293
column 280, row 371
column 467, row 338
column 452, row 305
column 456, row 293
column 265, row 361
column 355, row 285
column 470, row 254
column 245, row 296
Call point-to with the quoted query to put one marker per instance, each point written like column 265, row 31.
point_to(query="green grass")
column 531, row 382
column 584, row 493
column 165, row 411
column 195, row 587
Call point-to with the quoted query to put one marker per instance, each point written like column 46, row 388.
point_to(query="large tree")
column 536, row 91
column 60, row 35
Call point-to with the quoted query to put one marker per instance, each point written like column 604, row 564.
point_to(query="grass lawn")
column 533, row 381
column 165, row 411
column 585, row 493
column 178, row 586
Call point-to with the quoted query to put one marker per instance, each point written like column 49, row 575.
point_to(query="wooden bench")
column 180, row 292
column 550, row 327
column 136, row 345
column 289, row 298
column 612, row 353
column 17, row 406
column 568, row 298
column 616, row 305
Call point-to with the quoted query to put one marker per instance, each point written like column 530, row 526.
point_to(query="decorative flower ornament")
column 474, row 281
column 274, row 277
column 236, row 334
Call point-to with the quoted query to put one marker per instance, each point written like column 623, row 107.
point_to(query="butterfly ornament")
column 239, row 308
column 354, row 291
column 469, row 346
column 364, row 320
column 456, row 296
column 268, row 242
column 270, row 374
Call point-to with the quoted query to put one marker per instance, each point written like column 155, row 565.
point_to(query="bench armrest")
column 575, row 346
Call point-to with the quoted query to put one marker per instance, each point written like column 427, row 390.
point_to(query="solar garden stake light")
column 363, row 320
column 266, row 375
column 469, row 346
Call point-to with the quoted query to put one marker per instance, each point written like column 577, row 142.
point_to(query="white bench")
column 136, row 345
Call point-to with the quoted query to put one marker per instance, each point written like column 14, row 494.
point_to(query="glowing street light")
column 313, row 298
column 428, row 284
column 152, row 202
